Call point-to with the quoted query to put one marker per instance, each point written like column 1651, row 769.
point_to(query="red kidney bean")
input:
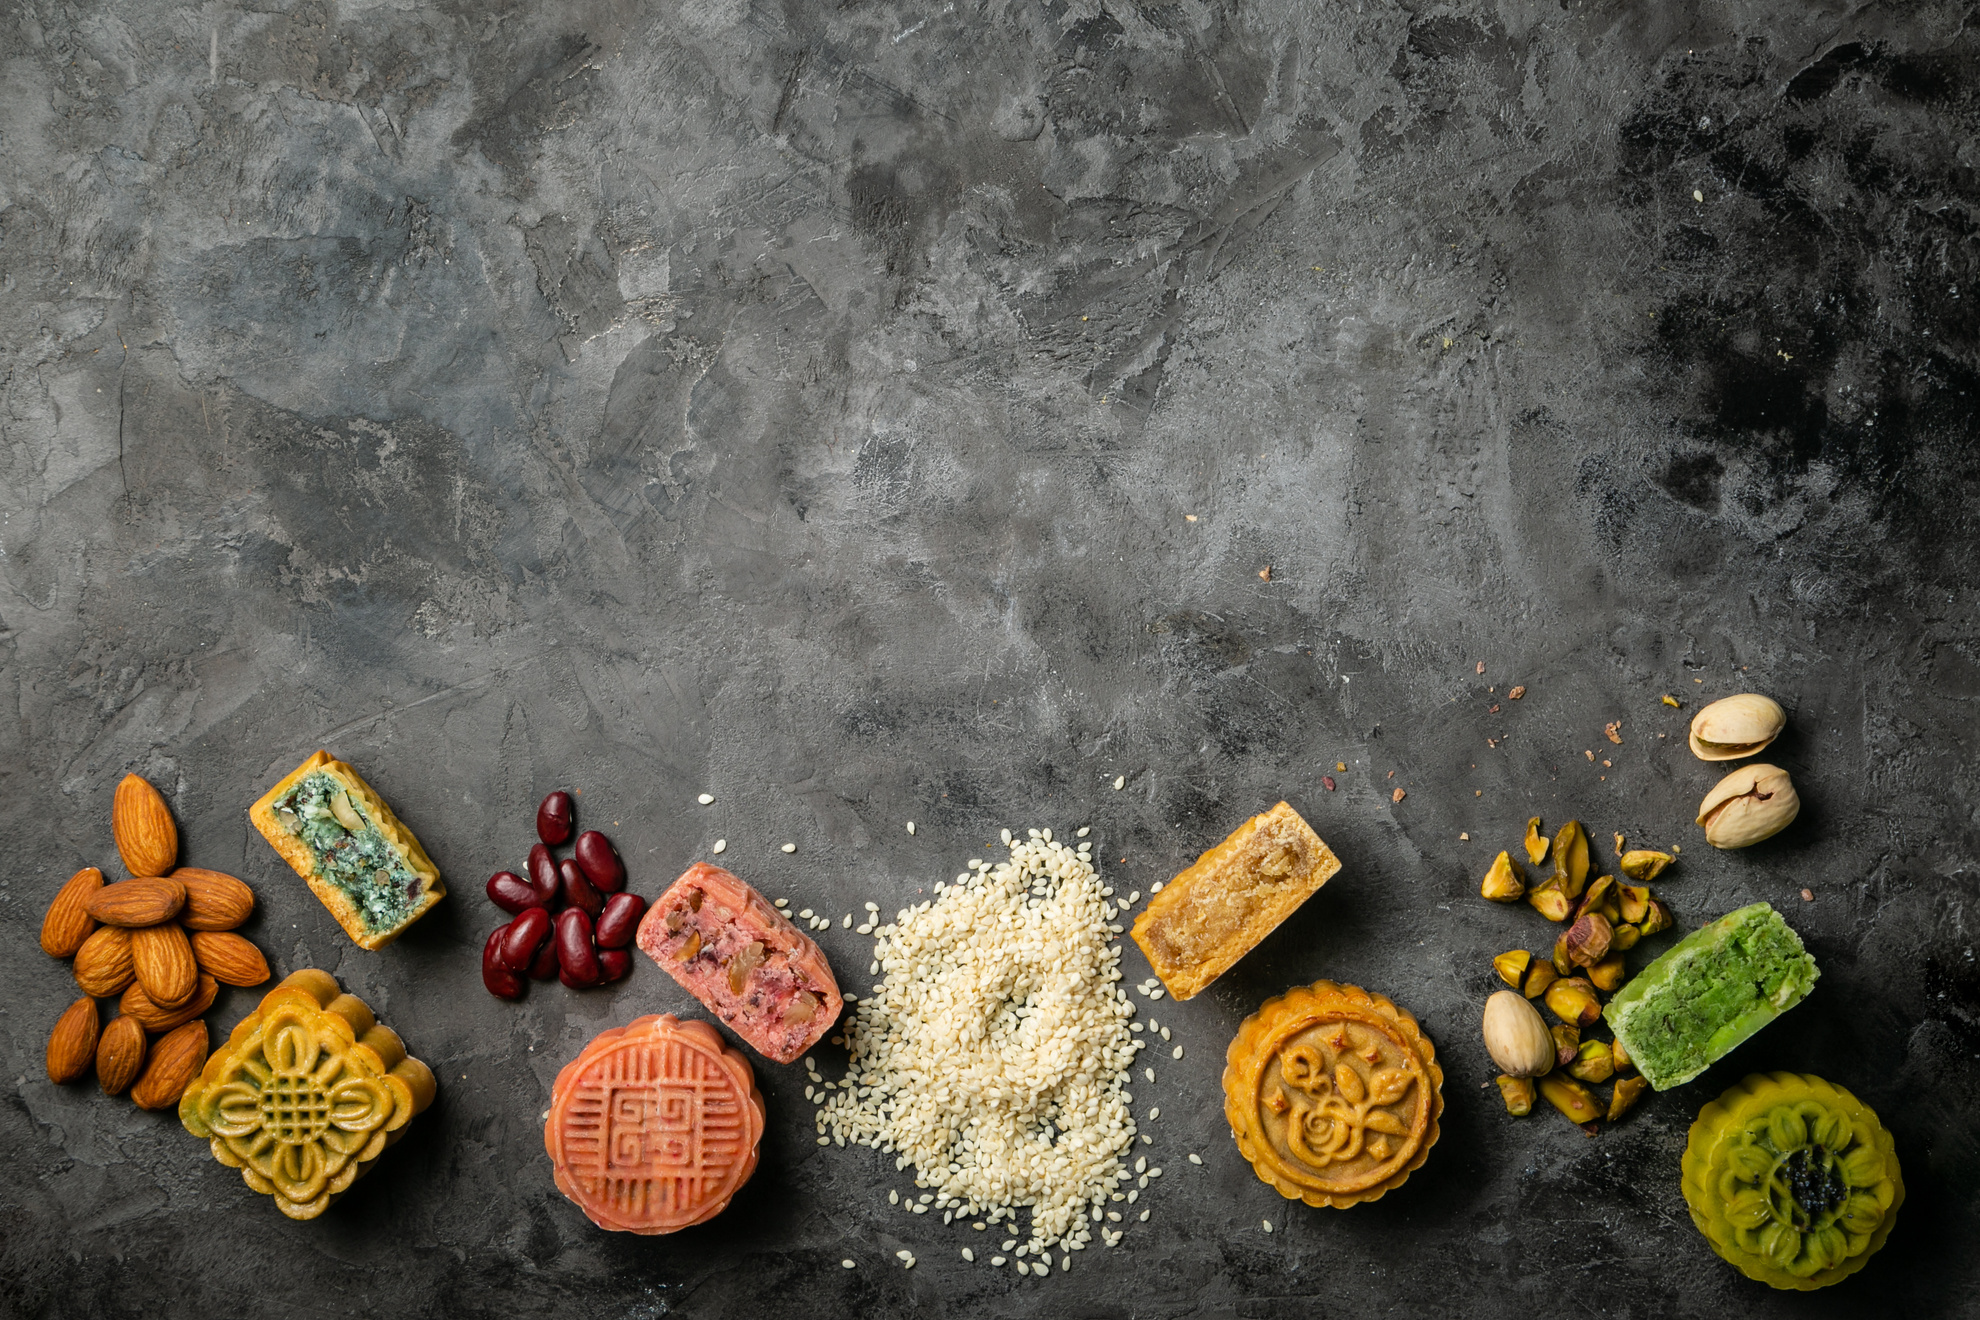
column 526, row 935
column 543, row 874
column 601, row 862
column 501, row 982
column 556, row 817
column 544, row 965
column 613, row 964
column 511, row 893
column 577, row 890
column 619, row 921
column 577, row 961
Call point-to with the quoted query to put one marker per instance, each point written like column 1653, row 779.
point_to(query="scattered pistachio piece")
column 1571, row 857
column 1601, row 897
column 1644, row 864
column 1608, row 974
column 1503, row 883
column 1562, row 965
column 1567, row 1040
column 1593, row 1062
column 1550, row 898
column 1512, row 967
column 1573, row 1099
column 1633, row 901
column 1572, row 999
column 1587, row 940
column 1518, row 1095
column 1620, row 1057
column 1628, row 1091
column 1624, row 938
column 1538, row 978
column 1536, row 842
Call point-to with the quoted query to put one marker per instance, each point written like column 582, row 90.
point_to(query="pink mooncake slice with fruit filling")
column 743, row 959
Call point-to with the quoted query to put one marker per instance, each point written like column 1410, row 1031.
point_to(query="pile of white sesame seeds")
column 995, row 1055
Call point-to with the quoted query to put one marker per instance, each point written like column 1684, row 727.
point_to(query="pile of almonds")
column 1605, row 920
column 161, row 942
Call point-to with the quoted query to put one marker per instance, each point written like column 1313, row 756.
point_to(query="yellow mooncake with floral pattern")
column 1333, row 1094
column 306, row 1094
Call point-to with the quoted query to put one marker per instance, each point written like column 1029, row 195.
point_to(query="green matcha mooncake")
column 1712, row 990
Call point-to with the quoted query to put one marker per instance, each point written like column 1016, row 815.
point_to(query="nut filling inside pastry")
column 350, row 851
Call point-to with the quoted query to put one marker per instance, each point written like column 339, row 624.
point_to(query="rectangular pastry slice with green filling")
column 1709, row 993
column 360, row 860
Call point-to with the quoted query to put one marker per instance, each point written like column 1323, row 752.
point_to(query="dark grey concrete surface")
column 885, row 411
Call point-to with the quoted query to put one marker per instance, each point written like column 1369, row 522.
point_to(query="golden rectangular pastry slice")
column 1218, row 910
column 358, row 858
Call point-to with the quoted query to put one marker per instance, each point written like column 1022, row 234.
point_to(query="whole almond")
column 137, row 1004
column 142, row 902
column 72, row 1045
column 68, row 922
column 214, row 899
column 103, row 963
column 163, row 960
column 142, row 823
column 120, row 1055
column 231, row 959
column 175, row 1060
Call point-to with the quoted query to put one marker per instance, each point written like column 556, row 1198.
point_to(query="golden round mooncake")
column 1333, row 1094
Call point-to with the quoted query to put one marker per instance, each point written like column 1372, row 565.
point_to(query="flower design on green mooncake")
column 1792, row 1180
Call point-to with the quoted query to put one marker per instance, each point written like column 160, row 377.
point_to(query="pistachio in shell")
column 1752, row 803
column 1733, row 727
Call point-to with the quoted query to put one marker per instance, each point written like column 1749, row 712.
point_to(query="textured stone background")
column 807, row 403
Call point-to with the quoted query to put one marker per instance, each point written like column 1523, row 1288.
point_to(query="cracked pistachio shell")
column 1752, row 803
column 1733, row 727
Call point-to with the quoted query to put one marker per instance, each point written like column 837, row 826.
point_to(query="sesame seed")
column 721, row 845
column 1155, row 888
column 1267, row 1223
column 915, row 1088
column 705, row 799
column 968, row 1255
column 1149, row 1073
column 1134, row 896
column 1120, row 782
column 1194, row 1158
column 1176, row 1053
column 1154, row 1114
column 910, row 827
column 783, row 902
column 847, row 922
column 893, row 1197
column 848, row 1264
column 996, row 1260
column 790, row 847
column 1084, row 830
column 1144, row 1216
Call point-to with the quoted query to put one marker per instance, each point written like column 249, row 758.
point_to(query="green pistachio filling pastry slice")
column 1711, row 992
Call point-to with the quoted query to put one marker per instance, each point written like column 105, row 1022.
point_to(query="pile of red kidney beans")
column 572, row 920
